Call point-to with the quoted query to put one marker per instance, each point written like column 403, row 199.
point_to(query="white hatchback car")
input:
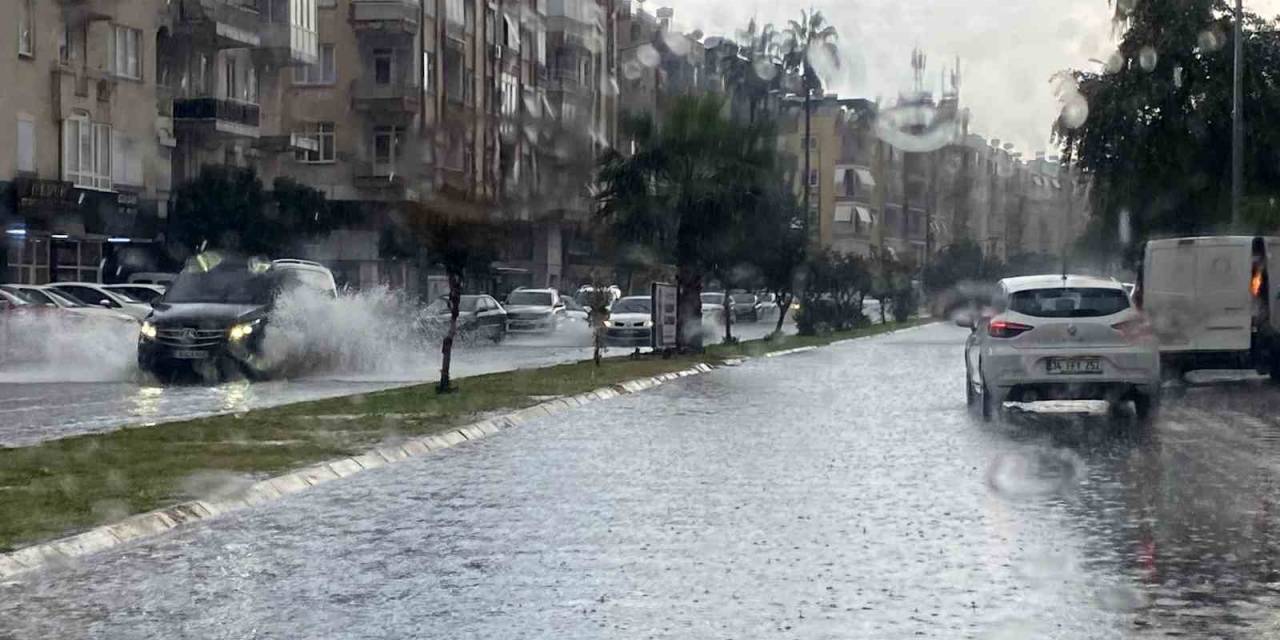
column 1062, row 337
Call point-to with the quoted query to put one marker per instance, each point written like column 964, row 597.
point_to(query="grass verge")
column 65, row 486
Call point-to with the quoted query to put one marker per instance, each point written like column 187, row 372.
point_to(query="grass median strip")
column 64, row 486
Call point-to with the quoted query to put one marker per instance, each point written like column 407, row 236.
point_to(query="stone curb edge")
column 153, row 523
column 156, row 522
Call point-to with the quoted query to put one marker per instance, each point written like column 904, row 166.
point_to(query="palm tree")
column 812, row 35
column 681, row 192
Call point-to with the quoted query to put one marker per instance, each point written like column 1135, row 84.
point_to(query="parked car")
column 1213, row 302
column 479, row 316
column 534, row 311
column 212, row 318
column 713, row 307
column 147, row 293
column 630, row 322
column 92, row 293
column 51, row 298
column 1062, row 337
column 575, row 312
column 151, row 277
column 746, row 308
column 767, row 307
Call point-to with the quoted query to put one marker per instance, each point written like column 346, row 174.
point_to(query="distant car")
column 147, row 293
column 534, row 311
column 479, row 316
column 630, row 322
column 713, row 307
column 746, row 308
column 92, row 293
column 212, row 317
column 51, row 298
column 767, row 307
column 1062, row 337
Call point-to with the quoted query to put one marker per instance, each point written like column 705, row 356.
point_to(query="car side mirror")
column 105, row 303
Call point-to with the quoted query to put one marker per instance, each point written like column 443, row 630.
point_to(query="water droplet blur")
column 1120, row 598
column 1123, row 227
column 764, row 69
column 1035, row 474
column 632, row 69
column 648, row 56
column 1075, row 110
column 676, row 42
column 822, row 60
column 1210, row 40
column 1147, row 58
column 1177, row 76
column 917, row 128
column 1126, row 7
column 107, row 511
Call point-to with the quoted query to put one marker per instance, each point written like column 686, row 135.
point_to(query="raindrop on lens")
column 632, row 69
column 1177, row 76
column 648, row 56
column 1123, row 227
column 677, row 43
column 1209, row 40
column 1115, row 62
column 764, row 70
column 1126, row 6
column 1147, row 58
column 1075, row 110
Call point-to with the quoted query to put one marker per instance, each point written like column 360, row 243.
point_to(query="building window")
column 126, row 53
column 813, row 177
column 383, row 65
column 26, row 145
column 126, row 160
column 850, row 189
column 86, row 153
column 71, row 44
column 29, row 261
column 490, row 25
column 387, row 143
column 322, row 133
column 324, row 71
column 26, row 28
column 469, row 17
column 229, row 78
column 469, row 87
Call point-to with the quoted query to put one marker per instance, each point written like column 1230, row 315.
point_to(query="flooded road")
column 839, row 493
column 50, row 407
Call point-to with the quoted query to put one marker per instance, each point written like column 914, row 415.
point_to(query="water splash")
column 59, row 346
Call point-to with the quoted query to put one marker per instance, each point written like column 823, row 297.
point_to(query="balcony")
column 385, row 17
column 288, row 44
column 89, row 10
column 222, row 24
column 216, row 116
column 383, row 181
column 392, row 98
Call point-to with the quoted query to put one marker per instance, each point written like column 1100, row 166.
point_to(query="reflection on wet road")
column 45, row 410
column 840, row 493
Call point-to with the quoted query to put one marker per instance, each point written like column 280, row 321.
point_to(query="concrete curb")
column 145, row 525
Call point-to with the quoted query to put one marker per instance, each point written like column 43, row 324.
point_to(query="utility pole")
column 1237, row 119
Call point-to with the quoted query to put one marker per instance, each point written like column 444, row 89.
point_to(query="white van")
column 1210, row 302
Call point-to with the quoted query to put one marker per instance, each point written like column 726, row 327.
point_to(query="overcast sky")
column 1008, row 49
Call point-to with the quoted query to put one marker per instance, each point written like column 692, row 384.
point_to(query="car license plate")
column 190, row 354
column 1068, row 366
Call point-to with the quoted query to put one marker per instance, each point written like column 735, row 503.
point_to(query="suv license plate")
column 190, row 354
column 1073, row 365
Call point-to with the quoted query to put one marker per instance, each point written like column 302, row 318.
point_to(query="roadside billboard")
column 663, row 303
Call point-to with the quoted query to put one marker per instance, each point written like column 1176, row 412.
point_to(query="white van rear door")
column 1273, row 277
column 1169, row 292
column 1223, row 269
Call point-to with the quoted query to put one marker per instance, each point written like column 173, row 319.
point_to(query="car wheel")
column 499, row 334
column 1275, row 364
column 1146, row 406
column 970, row 397
column 990, row 402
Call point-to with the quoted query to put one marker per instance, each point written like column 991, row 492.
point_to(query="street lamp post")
column 1237, row 119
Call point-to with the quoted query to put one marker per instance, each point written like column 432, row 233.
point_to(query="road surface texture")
column 49, row 408
column 839, row 493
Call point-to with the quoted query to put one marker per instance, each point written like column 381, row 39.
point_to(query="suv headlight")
column 147, row 330
column 243, row 330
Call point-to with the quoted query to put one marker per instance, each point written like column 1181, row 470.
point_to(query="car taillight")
column 1006, row 329
column 1136, row 328
column 1255, row 282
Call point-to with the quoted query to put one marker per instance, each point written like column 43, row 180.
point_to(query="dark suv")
column 210, row 320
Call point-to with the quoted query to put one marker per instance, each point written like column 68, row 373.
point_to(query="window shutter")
column 26, row 145
column 118, row 164
column 70, row 163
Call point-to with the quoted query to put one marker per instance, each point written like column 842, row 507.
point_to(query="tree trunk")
column 808, row 112
column 446, row 348
column 689, row 309
column 784, row 304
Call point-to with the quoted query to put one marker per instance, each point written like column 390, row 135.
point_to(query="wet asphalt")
column 839, row 493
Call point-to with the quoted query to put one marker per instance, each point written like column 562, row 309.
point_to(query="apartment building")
column 86, row 175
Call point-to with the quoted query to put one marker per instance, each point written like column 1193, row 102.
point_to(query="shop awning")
column 864, row 214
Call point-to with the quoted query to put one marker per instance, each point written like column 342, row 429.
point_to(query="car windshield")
column 632, row 305
column 744, row 298
column 60, row 299
column 1069, row 302
column 572, row 305
column 531, row 298
column 142, row 294
column 228, row 284
column 713, row 298
column 29, row 296
column 440, row 306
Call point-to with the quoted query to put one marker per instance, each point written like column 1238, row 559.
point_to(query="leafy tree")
column 808, row 38
column 959, row 261
column 1153, row 129
column 686, row 184
column 464, row 244
column 227, row 208
column 776, row 239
